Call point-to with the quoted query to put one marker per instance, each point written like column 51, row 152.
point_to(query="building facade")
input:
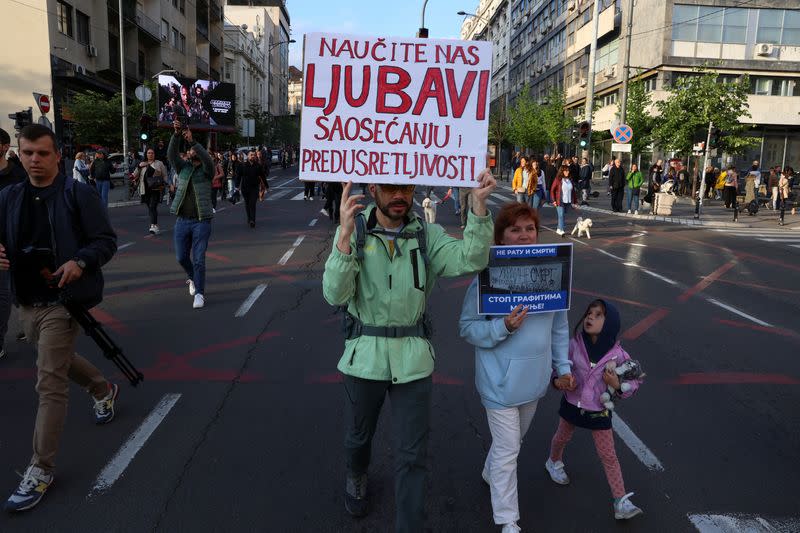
column 83, row 39
column 271, row 25
column 245, row 66
column 550, row 41
column 295, row 90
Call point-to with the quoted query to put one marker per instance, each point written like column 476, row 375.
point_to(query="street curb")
column 672, row 220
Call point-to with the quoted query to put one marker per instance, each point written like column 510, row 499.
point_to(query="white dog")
column 582, row 226
column 429, row 206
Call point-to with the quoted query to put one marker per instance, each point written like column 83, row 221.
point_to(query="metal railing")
column 149, row 25
column 202, row 65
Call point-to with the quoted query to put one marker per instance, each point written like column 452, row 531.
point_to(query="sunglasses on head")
column 396, row 188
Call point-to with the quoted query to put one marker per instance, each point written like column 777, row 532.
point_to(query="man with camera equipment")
column 54, row 238
column 384, row 264
column 10, row 173
column 192, row 206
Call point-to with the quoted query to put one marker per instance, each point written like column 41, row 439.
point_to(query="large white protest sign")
column 394, row 110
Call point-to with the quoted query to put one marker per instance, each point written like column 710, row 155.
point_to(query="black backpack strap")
column 422, row 241
column 361, row 236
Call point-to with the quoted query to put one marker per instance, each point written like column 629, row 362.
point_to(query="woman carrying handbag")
column 151, row 175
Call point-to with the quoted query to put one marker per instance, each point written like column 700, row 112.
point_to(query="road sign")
column 619, row 147
column 44, row 121
column 623, row 134
column 43, row 101
column 614, row 125
column 143, row 94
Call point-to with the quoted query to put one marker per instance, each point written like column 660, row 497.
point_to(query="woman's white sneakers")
column 556, row 471
column 511, row 527
column 624, row 508
column 154, row 229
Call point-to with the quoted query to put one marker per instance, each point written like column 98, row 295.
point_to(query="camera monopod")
column 94, row 330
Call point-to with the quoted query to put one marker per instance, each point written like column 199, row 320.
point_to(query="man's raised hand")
column 348, row 209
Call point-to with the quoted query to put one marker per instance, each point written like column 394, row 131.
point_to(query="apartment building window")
column 182, row 43
column 607, row 56
column 763, row 86
column 650, row 84
column 734, row 29
column 164, row 30
column 779, row 26
column 64, row 16
column 174, row 37
column 83, row 27
column 180, row 5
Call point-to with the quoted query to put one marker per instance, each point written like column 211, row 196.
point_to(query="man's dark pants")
column 616, row 199
column 250, row 198
column 411, row 405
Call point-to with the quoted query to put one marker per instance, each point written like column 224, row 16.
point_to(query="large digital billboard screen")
column 201, row 104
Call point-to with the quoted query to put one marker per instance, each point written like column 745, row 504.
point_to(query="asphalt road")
column 238, row 425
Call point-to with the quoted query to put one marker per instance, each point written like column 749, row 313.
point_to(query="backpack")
column 361, row 237
column 752, row 208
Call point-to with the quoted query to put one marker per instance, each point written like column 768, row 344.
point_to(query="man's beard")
column 391, row 216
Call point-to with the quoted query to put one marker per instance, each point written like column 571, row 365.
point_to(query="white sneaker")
column 192, row 290
column 636, row 212
column 214, row 210
column 199, row 301
column 156, row 230
column 624, row 508
column 2, row 353
column 511, row 527
column 560, row 232
column 556, row 471
column 152, row 229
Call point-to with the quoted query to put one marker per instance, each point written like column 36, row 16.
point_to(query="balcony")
column 149, row 27
column 202, row 68
column 202, row 29
column 215, row 12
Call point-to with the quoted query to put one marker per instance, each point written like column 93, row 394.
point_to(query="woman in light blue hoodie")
column 515, row 356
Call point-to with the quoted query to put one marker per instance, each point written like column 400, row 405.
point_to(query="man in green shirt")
column 384, row 282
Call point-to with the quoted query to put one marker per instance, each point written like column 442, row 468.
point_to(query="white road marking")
column 299, row 196
column 637, row 244
column 312, row 223
column 116, row 467
column 248, row 303
column 636, row 445
column 491, row 202
column 659, row 276
column 738, row 523
column 221, row 209
column 795, row 245
column 740, row 313
column 285, row 258
column 123, row 246
column 284, row 184
column 280, row 194
column 780, row 240
column 610, row 255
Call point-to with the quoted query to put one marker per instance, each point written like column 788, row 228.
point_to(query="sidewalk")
column 712, row 214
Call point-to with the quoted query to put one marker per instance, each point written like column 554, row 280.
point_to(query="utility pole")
column 699, row 200
column 626, row 67
column 122, row 89
column 590, row 82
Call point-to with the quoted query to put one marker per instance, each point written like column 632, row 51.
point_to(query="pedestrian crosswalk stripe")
column 280, row 194
column 736, row 523
column 780, row 240
column 299, row 196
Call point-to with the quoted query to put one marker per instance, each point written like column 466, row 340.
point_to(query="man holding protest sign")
column 388, row 347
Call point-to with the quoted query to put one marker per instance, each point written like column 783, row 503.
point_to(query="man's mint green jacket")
column 392, row 291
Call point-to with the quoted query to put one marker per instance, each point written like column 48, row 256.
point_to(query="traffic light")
column 716, row 135
column 145, row 128
column 584, row 134
column 22, row 118
column 574, row 135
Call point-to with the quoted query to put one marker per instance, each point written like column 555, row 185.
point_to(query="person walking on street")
column 633, row 181
column 151, row 175
column 217, row 182
column 55, row 236
column 731, row 188
column 521, row 184
column 616, row 180
column 100, row 174
column 550, row 173
column 654, row 182
column 515, row 356
column 585, row 180
column 80, row 170
column 537, row 195
column 11, row 173
column 192, row 207
column 564, row 195
column 253, row 181
column 388, row 348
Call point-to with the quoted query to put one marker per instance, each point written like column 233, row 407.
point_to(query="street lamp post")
column 269, row 71
column 423, row 31
column 122, row 85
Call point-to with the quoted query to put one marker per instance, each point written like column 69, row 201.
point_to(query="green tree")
column 499, row 125
column 97, row 119
column 555, row 124
column 263, row 123
column 525, row 122
column 696, row 100
column 638, row 117
column 286, row 130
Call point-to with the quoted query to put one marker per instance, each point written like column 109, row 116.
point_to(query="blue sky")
column 373, row 17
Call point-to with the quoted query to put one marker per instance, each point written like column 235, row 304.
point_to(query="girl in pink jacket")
column 594, row 345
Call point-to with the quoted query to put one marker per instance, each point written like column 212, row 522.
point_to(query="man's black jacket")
column 616, row 177
column 13, row 173
column 81, row 230
column 252, row 176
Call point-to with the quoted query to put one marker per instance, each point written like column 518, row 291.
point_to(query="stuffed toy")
column 627, row 371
